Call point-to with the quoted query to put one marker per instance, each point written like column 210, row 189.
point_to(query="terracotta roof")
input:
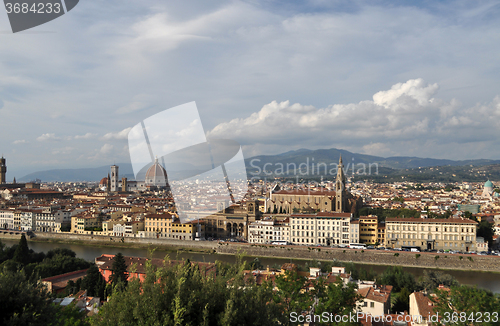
column 381, row 294
column 431, row 220
column 424, row 304
column 306, row 192
column 323, row 214
column 105, row 262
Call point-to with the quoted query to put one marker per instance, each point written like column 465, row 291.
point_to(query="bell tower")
column 340, row 193
column 3, row 170
column 114, row 178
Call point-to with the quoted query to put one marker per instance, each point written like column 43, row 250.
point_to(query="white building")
column 50, row 219
column 267, row 231
column 23, row 220
column 354, row 231
column 320, row 228
column 375, row 300
column 6, row 219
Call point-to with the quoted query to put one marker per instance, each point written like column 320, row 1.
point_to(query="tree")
column 461, row 305
column 291, row 295
column 62, row 252
column 119, row 270
column 402, row 302
column 183, row 295
column 22, row 253
column 23, row 302
column 336, row 298
column 93, row 282
column 432, row 279
column 486, row 231
column 256, row 264
column 398, row 278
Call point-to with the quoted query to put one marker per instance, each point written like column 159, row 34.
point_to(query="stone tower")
column 3, row 170
column 114, row 178
column 340, row 193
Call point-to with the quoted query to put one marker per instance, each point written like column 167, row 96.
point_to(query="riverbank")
column 424, row 260
column 369, row 257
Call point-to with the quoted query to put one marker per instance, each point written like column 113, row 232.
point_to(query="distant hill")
column 84, row 174
column 389, row 168
column 305, row 160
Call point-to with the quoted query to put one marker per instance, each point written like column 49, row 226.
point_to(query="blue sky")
column 383, row 78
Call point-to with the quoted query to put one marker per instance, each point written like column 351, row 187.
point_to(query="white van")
column 414, row 250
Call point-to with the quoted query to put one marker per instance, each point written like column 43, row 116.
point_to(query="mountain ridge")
column 254, row 163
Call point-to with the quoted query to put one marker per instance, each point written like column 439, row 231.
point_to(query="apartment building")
column 6, row 219
column 368, row 229
column 158, row 225
column 446, row 234
column 23, row 220
column 320, row 228
column 268, row 231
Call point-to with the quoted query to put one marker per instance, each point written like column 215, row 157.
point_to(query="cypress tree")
column 119, row 270
column 22, row 253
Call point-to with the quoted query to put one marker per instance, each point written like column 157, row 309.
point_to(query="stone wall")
column 376, row 257
column 107, row 240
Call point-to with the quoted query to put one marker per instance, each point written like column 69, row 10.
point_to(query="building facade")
column 321, row 228
column 368, row 229
column 431, row 234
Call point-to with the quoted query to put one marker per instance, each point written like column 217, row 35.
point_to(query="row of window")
column 431, row 237
column 429, row 228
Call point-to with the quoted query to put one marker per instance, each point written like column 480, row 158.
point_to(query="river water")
column 486, row 280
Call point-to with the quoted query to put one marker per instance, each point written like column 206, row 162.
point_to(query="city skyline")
column 377, row 78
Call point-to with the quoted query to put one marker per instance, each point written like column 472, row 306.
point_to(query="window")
column 372, row 304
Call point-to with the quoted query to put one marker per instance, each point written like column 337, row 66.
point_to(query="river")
column 486, row 280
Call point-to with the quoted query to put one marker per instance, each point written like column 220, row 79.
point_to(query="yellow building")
column 187, row 231
column 368, row 229
column 158, row 225
column 83, row 223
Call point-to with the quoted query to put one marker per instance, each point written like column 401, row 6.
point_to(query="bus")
column 411, row 248
column 357, row 246
column 280, row 243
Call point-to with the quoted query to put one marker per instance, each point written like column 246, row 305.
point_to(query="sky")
column 386, row 78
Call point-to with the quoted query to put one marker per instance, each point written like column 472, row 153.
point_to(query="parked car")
column 370, row 247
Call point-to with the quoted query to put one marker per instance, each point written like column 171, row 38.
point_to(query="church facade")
column 295, row 201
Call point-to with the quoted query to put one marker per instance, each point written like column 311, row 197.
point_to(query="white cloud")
column 414, row 89
column 117, row 135
column 63, row 150
column 48, row 137
column 88, row 135
column 106, row 149
column 405, row 118
column 19, row 141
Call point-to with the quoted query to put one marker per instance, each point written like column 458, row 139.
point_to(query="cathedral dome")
column 156, row 175
column 488, row 184
column 104, row 182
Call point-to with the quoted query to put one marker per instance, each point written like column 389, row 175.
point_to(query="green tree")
column 183, row 295
column 402, row 302
column 336, row 298
column 22, row 253
column 23, row 302
column 256, row 264
column 462, row 303
column 119, row 272
column 291, row 295
column 398, row 278
column 432, row 279
column 486, row 231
